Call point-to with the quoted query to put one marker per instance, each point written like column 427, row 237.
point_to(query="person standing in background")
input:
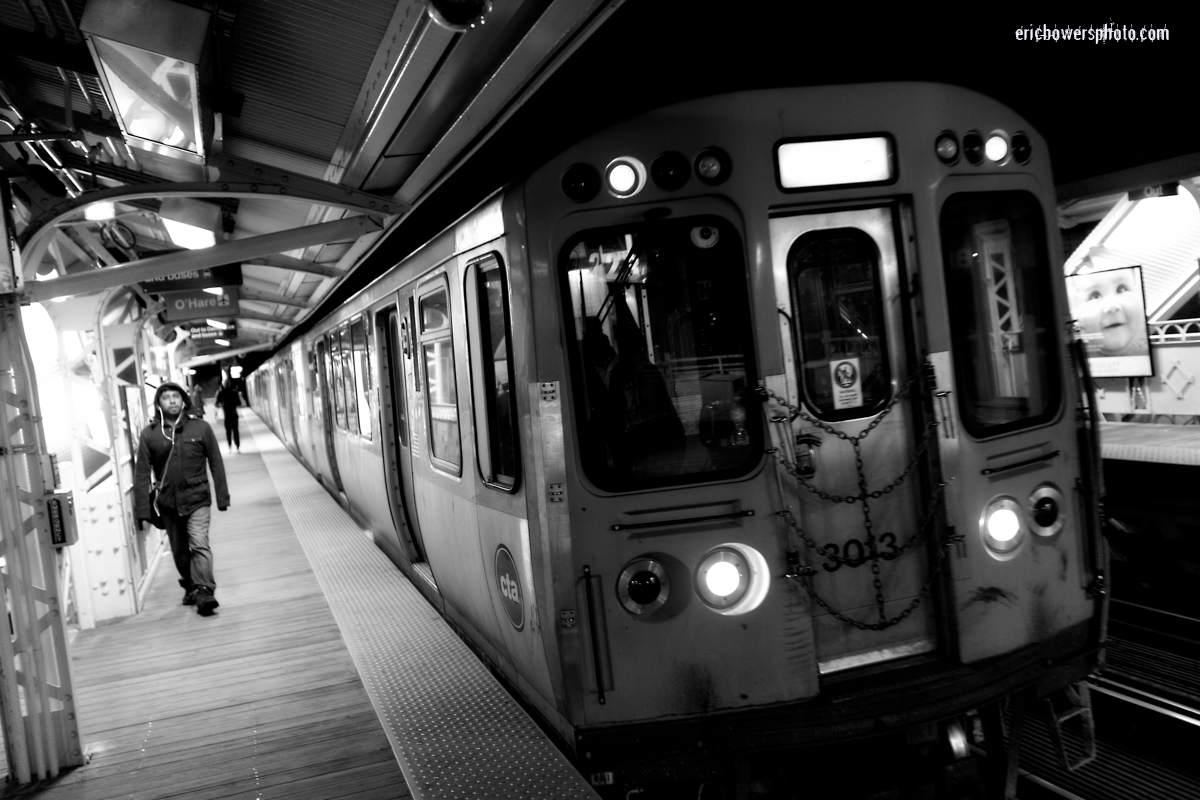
column 229, row 398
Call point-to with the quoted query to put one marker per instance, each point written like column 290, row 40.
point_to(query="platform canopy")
column 232, row 164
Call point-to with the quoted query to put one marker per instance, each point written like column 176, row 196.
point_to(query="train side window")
column 837, row 301
column 490, row 334
column 335, row 384
column 441, row 393
column 361, row 356
column 1002, row 317
column 662, row 355
column 348, row 384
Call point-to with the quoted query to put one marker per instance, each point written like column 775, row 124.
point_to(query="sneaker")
column 206, row 604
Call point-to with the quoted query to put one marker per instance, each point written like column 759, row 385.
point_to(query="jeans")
column 189, row 545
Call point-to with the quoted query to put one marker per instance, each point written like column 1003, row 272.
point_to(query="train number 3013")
column 855, row 553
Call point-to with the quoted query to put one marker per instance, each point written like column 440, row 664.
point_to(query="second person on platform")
column 229, row 398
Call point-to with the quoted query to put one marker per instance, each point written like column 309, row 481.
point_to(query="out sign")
column 509, row 585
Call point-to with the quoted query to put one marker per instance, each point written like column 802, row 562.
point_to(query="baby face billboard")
column 1110, row 308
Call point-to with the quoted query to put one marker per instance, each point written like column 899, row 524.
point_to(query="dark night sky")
column 1102, row 107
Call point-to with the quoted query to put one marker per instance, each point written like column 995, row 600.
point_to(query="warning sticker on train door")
column 510, row 587
column 847, row 383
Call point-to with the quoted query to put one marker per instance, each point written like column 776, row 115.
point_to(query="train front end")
column 813, row 475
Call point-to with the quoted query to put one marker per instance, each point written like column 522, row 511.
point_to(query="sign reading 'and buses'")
column 227, row 275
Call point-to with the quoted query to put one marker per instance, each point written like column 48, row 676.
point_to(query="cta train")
column 747, row 439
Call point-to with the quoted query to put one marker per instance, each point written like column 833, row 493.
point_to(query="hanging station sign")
column 205, row 332
column 199, row 304
column 227, row 275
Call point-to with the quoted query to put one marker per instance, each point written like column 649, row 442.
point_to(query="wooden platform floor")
column 261, row 700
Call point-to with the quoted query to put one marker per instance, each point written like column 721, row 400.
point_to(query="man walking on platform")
column 229, row 398
column 176, row 446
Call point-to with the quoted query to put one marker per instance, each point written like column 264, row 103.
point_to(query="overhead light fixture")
column 216, row 323
column 217, row 290
column 222, row 342
column 100, row 212
column 190, row 223
column 154, row 64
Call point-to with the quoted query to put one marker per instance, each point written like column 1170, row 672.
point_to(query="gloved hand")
column 141, row 524
column 222, row 508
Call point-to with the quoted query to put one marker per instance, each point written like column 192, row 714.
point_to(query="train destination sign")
column 202, row 332
column 227, row 275
column 199, row 304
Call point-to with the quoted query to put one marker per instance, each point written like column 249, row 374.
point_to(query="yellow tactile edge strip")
column 456, row 732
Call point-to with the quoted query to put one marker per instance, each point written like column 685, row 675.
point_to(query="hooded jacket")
column 184, row 486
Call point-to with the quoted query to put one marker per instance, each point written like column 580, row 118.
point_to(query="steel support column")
column 37, row 700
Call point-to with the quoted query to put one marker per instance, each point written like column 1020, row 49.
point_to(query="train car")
column 747, row 439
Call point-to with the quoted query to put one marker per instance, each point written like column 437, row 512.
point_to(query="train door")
column 394, row 329
column 857, row 500
column 324, row 370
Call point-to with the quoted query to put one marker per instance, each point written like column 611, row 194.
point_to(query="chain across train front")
column 804, row 574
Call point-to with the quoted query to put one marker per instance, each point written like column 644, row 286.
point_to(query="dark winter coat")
column 185, row 486
column 229, row 398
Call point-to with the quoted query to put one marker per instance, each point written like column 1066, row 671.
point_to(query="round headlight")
column 973, row 147
column 581, row 182
column 643, row 586
column 670, row 171
column 1002, row 526
column 946, row 147
column 996, row 148
column 713, row 166
column 723, row 577
column 625, row 176
column 1046, row 506
column 1022, row 148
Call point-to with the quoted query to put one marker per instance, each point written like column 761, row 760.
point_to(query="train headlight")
column 625, row 176
column 973, row 147
column 946, row 147
column 1002, row 526
column 996, row 148
column 643, row 586
column 670, row 171
column 581, row 182
column 1046, row 510
column 713, row 166
column 732, row 578
column 1022, row 149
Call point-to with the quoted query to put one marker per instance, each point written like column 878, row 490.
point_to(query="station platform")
column 323, row 674
column 1150, row 442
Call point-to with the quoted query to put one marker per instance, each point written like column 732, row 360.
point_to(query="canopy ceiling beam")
column 298, row 265
column 35, row 236
column 218, row 255
column 270, row 297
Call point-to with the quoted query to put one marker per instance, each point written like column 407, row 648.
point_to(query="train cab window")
column 361, row 357
column 662, row 357
column 335, row 383
column 441, row 394
column 1002, row 316
column 348, row 384
column 836, row 298
column 490, row 334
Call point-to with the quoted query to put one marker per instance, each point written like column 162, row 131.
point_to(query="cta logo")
column 509, row 585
